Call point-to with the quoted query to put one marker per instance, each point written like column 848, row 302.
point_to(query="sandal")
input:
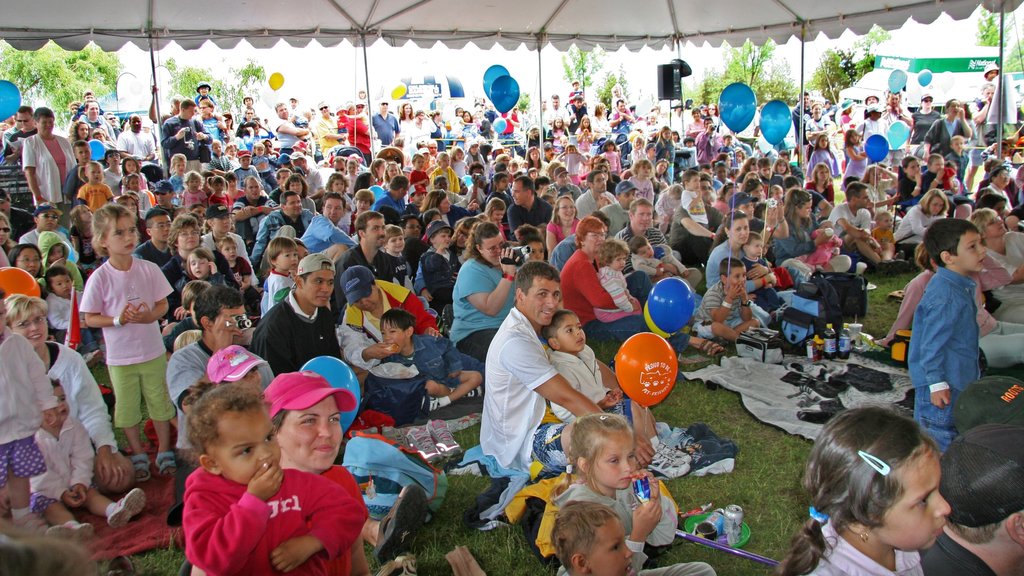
column 141, row 464
column 166, row 463
column 710, row 348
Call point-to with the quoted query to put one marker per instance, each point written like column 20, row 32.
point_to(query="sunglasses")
column 49, row 216
column 322, row 108
column 5, row 230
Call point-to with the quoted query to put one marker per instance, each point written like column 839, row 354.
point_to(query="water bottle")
column 830, row 344
column 844, row 344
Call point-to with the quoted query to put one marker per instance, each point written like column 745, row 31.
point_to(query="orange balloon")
column 18, row 281
column 646, row 366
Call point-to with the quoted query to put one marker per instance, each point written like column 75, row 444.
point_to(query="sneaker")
column 443, row 438
column 127, row 508
column 93, row 358
column 32, row 523
column 406, row 516
column 670, row 462
column 418, row 437
column 894, row 267
column 401, row 566
column 70, row 530
column 861, row 268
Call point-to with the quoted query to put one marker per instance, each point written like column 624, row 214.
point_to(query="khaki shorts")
column 137, row 382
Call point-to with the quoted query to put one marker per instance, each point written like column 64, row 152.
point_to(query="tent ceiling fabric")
column 560, row 23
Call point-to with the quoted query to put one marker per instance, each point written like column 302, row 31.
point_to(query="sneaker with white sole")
column 397, row 528
column 127, row 508
column 670, row 462
column 418, row 437
column 70, row 530
column 401, row 566
column 443, row 438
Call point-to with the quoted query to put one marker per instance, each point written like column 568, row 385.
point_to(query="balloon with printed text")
column 646, row 367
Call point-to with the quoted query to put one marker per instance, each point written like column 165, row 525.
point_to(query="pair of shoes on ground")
column 397, row 528
column 434, row 441
column 401, row 566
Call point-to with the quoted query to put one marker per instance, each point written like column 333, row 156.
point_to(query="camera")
column 772, row 203
column 518, row 256
column 242, row 322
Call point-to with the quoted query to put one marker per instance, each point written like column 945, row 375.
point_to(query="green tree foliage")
column 57, row 77
column 841, row 68
column 582, row 66
column 228, row 90
column 756, row 66
column 607, row 86
column 988, row 28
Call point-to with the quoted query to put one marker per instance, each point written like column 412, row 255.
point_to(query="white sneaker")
column 670, row 462
column 70, row 530
column 443, row 438
column 127, row 508
column 861, row 267
column 418, row 437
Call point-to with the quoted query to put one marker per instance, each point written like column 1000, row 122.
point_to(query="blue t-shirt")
column 474, row 278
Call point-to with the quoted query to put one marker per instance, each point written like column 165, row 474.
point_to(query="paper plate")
column 691, row 523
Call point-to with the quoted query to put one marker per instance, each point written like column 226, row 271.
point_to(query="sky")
column 315, row 73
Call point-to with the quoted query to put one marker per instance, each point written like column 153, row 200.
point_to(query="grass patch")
column 766, row 482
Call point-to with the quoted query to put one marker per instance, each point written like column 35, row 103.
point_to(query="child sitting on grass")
column 244, row 514
column 753, row 255
column 450, row 374
column 725, row 310
column 67, row 482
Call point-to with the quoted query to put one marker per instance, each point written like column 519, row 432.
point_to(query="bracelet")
column 117, row 320
column 509, row 277
column 726, row 305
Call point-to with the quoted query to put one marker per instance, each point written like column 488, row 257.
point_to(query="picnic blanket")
column 148, row 531
column 798, row 395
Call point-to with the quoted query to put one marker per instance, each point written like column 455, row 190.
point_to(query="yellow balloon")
column 654, row 327
column 398, row 91
column 276, row 81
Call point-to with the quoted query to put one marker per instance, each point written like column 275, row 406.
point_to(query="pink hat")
column 300, row 390
column 231, row 364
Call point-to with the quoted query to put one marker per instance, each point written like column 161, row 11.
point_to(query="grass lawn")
column 766, row 482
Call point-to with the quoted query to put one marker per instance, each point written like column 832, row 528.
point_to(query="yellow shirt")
column 95, row 195
column 449, row 174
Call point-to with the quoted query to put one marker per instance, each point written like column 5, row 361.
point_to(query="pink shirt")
column 109, row 290
column 912, row 294
column 53, row 147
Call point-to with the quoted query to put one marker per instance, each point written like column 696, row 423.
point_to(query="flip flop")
column 141, row 464
column 710, row 348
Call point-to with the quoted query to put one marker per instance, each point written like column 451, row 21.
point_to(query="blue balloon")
column 776, row 120
column 898, row 134
column 924, row 77
column 876, row 147
column 737, row 106
column 491, row 74
column 338, row 375
column 897, row 80
column 499, row 125
column 504, row 94
column 96, row 150
column 671, row 304
column 10, row 99
column 378, row 192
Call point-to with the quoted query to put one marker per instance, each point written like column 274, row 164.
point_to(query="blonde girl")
column 856, row 158
column 873, row 481
column 643, row 169
column 127, row 297
column 563, row 222
column 495, row 213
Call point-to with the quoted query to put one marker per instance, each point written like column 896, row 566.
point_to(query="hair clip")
column 603, row 417
column 568, row 468
column 877, row 463
column 820, row 517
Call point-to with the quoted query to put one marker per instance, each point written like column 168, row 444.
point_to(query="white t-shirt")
column 861, row 220
column 1014, row 257
column 516, row 365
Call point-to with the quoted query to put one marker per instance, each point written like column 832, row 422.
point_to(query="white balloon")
column 269, row 97
column 945, row 81
column 135, row 87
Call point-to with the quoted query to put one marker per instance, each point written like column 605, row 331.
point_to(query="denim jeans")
column 623, row 328
column 937, row 421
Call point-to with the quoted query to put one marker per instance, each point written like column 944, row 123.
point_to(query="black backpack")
column 851, row 291
column 815, row 305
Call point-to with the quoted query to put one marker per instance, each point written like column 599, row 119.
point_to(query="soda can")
column 733, row 523
column 642, row 489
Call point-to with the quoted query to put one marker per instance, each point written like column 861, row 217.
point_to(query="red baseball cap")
column 300, row 390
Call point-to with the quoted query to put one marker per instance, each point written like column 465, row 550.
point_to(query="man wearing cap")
column 21, row 220
column 183, row 134
column 597, row 195
column 220, row 313
column 368, row 299
column 46, row 218
column 325, row 229
column 135, row 142
column 526, row 207
column 618, row 211
column 325, row 130
column 291, row 214
column 301, row 327
column 369, row 253
column 218, row 220
column 156, row 249
column 288, row 134
column 563, row 185
column 983, row 482
column 163, row 190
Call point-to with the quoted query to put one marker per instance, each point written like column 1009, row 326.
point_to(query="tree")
column 58, row 77
column 228, row 90
column 839, row 69
column 755, row 66
column 988, row 28
column 582, row 66
column 607, row 85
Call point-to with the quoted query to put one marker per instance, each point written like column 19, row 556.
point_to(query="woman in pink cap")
column 306, row 413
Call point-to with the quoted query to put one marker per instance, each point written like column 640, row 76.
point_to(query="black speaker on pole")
column 670, row 78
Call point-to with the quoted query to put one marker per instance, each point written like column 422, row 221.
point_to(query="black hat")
column 204, row 84
column 436, row 226
column 217, row 211
column 990, row 400
column 983, row 475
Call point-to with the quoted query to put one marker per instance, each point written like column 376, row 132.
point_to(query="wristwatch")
column 745, row 304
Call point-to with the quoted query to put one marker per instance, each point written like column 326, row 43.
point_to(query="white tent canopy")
column 560, row 23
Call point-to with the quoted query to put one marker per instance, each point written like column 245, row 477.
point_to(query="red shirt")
column 581, row 290
column 342, row 565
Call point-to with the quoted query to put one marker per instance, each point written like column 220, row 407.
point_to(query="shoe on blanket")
column 669, row 461
column 418, row 437
column 70, row 530
column 127, row 508
column 443, row 438
column 397, row 528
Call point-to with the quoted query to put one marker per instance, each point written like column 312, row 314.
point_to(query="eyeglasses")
column 188, row 234
column 5, row 230
column 49, row 216
column 322, row 108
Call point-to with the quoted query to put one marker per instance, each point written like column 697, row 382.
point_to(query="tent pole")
column 800, row 97
column 1000, row 84
column 369, row 109
column 155, row 106
column 540, row 96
